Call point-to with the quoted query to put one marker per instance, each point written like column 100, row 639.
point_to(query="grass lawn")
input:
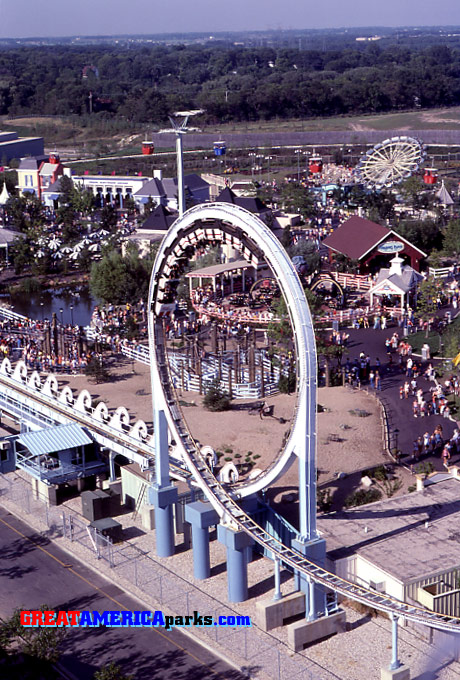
column 419, row 339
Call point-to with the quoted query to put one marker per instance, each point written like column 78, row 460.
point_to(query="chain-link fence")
column 258, row 652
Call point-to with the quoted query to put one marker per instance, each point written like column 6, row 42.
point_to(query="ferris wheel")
column 390, row 162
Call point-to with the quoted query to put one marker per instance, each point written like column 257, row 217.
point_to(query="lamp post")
column 269, row 158
column 62, row 316
column 71, row 315
column 43, row 313
column 298, row 152
column 252, row 156
column 260, row 157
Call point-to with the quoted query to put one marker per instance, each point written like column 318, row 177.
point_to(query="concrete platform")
column 401, row 673
column 272, row 613
column 303, row 632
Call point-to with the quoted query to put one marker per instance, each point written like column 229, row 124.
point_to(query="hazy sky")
column 105, row 17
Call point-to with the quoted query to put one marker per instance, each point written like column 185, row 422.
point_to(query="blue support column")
column 395, row 662
column 163, row 500
column 201, row 516
column 162, row 495
column 277, row 594
column 236, row 543
column 113, row 476
column 315, row 597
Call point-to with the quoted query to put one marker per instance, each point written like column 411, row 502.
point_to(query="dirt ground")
column 347, row 443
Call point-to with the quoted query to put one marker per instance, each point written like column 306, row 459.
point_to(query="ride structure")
column 231, row 504
column 390, row 162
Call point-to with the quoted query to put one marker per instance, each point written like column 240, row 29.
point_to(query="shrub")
column 362, row 497
column 216, row 399
column 380, row 474
column 96, row 370
column 287, row 383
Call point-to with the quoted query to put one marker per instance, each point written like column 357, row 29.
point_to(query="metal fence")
column 256, row 650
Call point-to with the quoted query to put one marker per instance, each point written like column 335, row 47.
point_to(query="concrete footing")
column 147, row 513
column 272, row 614
column 304, row 632
column 401, row 673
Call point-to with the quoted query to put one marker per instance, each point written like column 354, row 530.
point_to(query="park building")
column 369, row 244
column 404, row 546
column 14, row 147
column 40, row 175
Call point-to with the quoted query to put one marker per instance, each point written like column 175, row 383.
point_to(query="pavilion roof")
column 217, row 269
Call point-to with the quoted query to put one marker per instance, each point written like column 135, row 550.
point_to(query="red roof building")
column 363, row 240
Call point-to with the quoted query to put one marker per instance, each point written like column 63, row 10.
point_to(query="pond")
column 77, row 306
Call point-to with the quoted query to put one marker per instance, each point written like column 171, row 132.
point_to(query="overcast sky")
column 106, row 17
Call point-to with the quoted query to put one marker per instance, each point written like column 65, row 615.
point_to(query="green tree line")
column 233, row 83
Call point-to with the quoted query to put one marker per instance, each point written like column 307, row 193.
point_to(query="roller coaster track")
column 225, row 498
column 22, row 400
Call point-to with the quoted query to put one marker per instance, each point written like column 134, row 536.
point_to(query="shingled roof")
column 159, row 219
column 356, row 237
column 252, row 204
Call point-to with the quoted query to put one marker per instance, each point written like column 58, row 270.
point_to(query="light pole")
column 43, row 314
column 252, row 156
column 179, row 120
column 298, row 152
column 269, row 158
column 260, row 158
column 71, row 315
column 62, row 316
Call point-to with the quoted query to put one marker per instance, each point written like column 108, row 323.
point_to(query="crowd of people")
column 435, row 444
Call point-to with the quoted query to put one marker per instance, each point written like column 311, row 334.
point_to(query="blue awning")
column 52, row 439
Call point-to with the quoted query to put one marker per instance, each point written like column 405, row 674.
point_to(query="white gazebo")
column 398, row 280
column 443, row 196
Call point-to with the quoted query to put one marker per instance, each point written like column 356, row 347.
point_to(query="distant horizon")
column 230, row 31
column 107, row 18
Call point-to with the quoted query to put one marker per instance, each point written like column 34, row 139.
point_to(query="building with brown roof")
column 363, row 240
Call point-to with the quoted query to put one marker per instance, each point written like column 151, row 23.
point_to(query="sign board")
column 391, row 247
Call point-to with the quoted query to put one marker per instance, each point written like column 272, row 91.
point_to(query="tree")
column 38, row 642
column 118, row 279
column 451, row 239
column 426, row 300
column 296, row 198
column 109, row 279
column 27, row 214
column 424, row 234
column 109, row 218
column 111, row 671
column 215, row 398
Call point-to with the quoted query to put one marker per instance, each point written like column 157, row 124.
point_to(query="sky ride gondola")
column 220, row 148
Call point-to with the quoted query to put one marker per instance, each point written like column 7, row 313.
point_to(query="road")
column 34, row 571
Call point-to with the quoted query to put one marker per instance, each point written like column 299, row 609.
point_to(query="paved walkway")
column 372, row 342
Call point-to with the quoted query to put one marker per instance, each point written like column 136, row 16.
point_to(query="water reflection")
column 77, row 306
